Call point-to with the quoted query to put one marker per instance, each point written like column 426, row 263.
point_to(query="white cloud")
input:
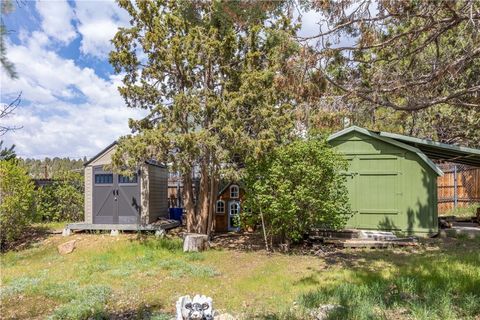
column 57, row 19
column 98, row 23
column 74, row 131
column 67, row 110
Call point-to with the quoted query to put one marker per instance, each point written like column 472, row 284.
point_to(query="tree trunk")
column 204, row 199
column 189, row 203
column 213, row 202
column 195, row 242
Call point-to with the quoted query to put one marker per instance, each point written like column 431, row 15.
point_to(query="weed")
column 88, row 304
column 19, row 285
column 172, row 245
column 195, row 256
column 64, row 292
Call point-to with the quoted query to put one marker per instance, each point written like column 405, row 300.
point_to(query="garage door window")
column 127, row 179
column 104, row 178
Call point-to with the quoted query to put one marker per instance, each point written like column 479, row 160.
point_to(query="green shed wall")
column 390, row 188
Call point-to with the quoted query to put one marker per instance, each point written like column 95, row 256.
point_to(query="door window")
column 233, row 215
column 104, row 178
column 127, row 179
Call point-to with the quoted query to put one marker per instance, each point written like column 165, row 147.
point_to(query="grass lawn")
column 129, row 277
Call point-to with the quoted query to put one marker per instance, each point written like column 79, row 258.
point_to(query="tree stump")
column 195, row 242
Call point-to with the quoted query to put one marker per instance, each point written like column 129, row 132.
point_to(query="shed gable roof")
column 110, row 146
column 98, row 155
column 388, row 140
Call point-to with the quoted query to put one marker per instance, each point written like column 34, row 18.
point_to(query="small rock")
column 321, row 313
column 114, row 233
column 67, row 247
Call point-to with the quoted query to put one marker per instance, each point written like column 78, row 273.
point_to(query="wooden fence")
column 459, row 187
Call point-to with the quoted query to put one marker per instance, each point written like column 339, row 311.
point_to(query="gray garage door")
column 116, row 198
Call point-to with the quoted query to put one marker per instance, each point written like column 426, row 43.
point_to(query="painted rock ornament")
column 198, row 308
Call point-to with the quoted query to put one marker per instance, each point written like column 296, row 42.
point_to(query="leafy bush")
column 298, row 187
column 16, row 201
column 61, row 201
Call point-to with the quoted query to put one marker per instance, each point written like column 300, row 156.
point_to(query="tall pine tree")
column 209, row 73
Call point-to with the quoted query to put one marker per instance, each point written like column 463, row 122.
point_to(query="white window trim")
column 216, row 206
column 238, row 191
column 237, row 208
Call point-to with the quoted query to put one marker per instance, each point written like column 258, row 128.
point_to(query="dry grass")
column 137, row 277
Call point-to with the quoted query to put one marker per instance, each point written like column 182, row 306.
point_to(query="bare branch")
column 6, row 110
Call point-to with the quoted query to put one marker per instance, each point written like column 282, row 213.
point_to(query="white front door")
column 233, row 215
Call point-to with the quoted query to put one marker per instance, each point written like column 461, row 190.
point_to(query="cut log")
column 195, row 242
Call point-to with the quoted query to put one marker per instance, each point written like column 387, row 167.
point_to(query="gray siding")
column 158, row 192
column 144, row 194
column 88, row 195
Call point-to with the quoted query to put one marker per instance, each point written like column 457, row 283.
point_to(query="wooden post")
column 455, row 187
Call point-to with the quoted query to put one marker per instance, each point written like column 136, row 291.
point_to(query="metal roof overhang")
column 440, row 152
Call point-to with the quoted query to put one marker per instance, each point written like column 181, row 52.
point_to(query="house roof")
column 439, row 151
column 396, row 143
column 226, row 186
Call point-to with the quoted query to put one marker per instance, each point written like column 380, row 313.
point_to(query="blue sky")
column 70, row 103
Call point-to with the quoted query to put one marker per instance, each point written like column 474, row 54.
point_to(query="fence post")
column 455, row 187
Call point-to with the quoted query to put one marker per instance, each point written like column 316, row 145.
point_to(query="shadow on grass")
column 27, row 239
column 141, row 313
column 427, row 285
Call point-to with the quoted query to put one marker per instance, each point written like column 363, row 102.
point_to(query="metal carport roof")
column 439, row 151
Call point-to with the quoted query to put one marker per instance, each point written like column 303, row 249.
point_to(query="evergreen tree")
column 7, row 153
column 210, row 74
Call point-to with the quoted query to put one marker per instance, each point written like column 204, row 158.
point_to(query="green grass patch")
column 445, row 287
column 89, row 303
column 463, row 212
column 111, row 276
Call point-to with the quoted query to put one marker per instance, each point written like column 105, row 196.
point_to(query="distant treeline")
column 50, row 167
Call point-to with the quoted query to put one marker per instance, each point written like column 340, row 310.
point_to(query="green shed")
column 392, row 185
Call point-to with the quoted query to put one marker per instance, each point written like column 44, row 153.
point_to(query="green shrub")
column 298, row 187
column 61, row 201
column 16, row 201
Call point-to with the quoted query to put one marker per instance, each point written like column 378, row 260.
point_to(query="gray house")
column 114, row 201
